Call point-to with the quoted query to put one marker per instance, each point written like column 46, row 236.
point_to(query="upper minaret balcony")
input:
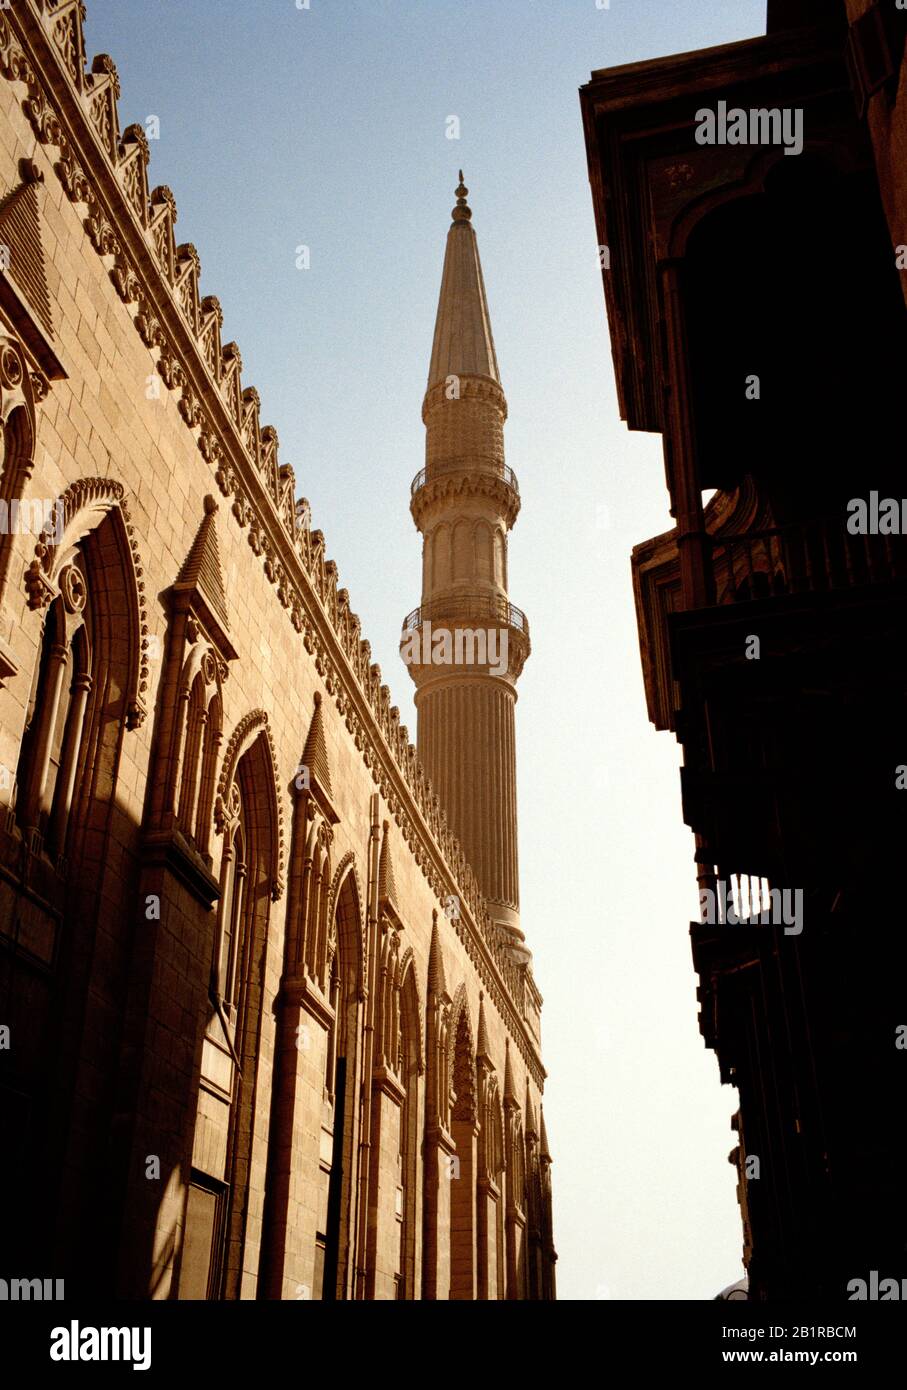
column 436, row 484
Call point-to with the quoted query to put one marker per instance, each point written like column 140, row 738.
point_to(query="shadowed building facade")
column 267, row 1029
column 756, row 301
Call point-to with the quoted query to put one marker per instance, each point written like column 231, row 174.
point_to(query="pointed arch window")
column 410, row 1070
column 500, row 1244
column 196, row 717
column 333, row 1237
column 200, row 735
column 330, row 1065
column 49, row 757
column 463, row 1129
column 233, row 903
column 248, row 824
column 516, row 1207
column 491, row 1243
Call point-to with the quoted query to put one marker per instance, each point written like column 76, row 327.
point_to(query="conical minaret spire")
column 466, row 644
column 463, row 344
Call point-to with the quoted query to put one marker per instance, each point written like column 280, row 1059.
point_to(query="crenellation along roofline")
column 57, row 103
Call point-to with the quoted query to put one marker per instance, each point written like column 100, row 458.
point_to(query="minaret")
column 466, row 644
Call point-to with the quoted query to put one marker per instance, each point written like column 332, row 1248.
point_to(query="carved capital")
column 40, row 592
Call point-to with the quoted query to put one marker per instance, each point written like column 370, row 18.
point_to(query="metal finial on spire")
column 462, row 212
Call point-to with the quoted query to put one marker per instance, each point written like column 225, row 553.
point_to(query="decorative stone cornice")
column 74, row 111
column 475, row 388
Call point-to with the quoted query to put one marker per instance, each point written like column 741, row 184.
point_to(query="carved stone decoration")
column 170, row 370
column 209, row 445
column 13, row 62
column 102, row 234
column 102, row 87
column 42, row 115
column 224, row 479
column 40, row 593
column 188, row 270
column 73, row 177
column 12, row 367
column 40, row 386
column 162, row 220
column 209, row 667
column 209, row 337
column 134, row 155
column 72, row 589
column 190, row 408
column 66, row 31
column 125, row 280
column 104, row 68
column 244, row 735
column 150, row 330
column 82, row 506
column 461, row 1059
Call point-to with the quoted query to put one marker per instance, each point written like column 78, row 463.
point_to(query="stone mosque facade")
column 268, row 1021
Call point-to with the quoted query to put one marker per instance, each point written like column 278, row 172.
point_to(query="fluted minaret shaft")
column 466, row 644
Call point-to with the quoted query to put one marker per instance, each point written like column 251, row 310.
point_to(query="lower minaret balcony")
column 461, row 634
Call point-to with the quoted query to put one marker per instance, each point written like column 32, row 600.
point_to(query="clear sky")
column 328, row 127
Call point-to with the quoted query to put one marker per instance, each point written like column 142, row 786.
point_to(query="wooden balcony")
column 816, row 556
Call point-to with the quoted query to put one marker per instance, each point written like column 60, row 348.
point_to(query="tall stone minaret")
column 465, row 646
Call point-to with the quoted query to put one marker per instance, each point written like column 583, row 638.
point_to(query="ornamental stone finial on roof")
column 462, row 212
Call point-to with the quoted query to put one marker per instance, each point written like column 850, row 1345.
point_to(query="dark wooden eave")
column 645, row 167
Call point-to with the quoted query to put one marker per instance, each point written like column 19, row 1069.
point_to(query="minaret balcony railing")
column 505, row 474
column 468, row 608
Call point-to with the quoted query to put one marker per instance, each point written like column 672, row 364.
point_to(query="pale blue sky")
column 327, row 127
